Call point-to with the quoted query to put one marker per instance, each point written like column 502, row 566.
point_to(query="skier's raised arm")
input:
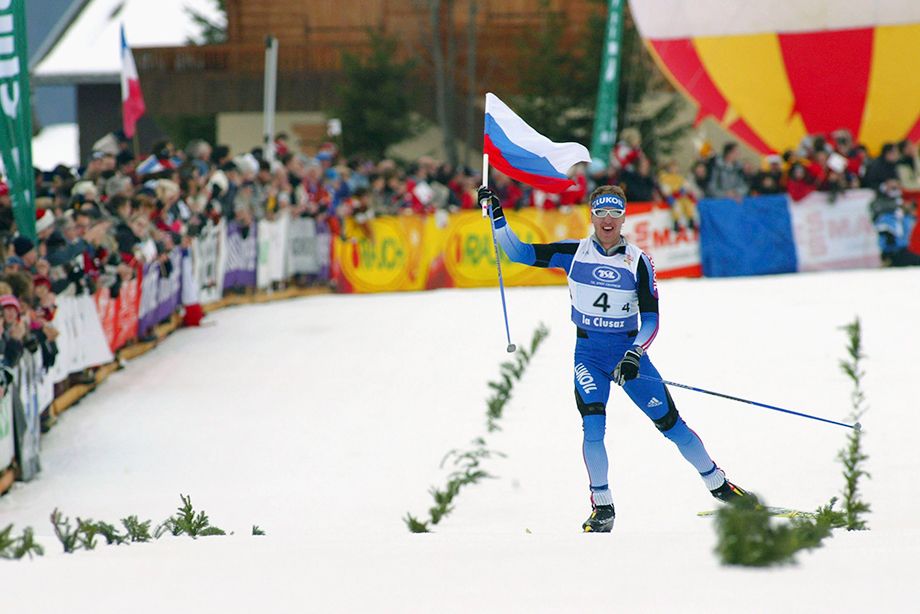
column 544, row 255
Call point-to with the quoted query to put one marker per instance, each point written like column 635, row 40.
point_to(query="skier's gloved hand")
column 628, row 367
column 488, row 197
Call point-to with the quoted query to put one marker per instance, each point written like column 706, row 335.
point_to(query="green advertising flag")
column 605, row 115
column 16, row 114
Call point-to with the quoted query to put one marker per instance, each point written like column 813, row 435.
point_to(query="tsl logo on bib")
column 607, row 275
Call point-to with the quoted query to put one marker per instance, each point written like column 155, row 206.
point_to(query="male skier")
column 615, row 309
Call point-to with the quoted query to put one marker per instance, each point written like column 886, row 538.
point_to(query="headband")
column 608, row 200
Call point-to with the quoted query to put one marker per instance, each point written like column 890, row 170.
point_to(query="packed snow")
column 323, row 420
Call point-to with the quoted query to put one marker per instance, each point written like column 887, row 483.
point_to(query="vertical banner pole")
column 269, row 97
column 605, row 114
column 16, row 115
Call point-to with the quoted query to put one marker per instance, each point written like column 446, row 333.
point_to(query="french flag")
column 524, row 154
column 132, row 100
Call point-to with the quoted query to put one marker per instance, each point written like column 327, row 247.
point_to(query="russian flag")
column 132, row 100
column 524, row 154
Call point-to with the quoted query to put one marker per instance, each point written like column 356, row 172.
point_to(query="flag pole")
column 485, row 182
column 487, row 211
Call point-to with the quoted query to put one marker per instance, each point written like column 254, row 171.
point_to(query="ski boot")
column 731, row 493
column 600, row 520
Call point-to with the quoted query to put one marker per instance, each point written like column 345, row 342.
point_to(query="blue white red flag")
column 524, row 154
column 132, row 100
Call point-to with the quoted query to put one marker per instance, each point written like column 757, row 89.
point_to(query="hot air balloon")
column 773, row 71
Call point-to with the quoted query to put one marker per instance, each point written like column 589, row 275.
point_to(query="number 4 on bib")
column 602, row 302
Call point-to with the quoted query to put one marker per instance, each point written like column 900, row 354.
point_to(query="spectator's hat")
column 124, row 157
column 8, row 300
column 84, row 191
column 41, row 280
column 44, row 219
column 12, row 260
column 22, row 246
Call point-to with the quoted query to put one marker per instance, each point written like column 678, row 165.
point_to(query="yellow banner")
column 446, row 251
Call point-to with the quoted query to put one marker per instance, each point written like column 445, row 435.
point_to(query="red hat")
column 41, row 280
column 4, row 188
column 8, row 300
column 43, row 219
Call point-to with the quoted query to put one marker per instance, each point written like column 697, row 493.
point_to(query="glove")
column 487, row 196
column 628, row 367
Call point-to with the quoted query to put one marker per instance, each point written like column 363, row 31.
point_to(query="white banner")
column 7, row 444
column 207, row 259
column 189, row 283
column 302, row 247
column 835, row 235
column 81, row 343
column 29, row 374
column 272, row 251
column 277, row 257
column 676, row 253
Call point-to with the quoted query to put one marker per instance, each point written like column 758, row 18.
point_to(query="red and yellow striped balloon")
column 772, row 71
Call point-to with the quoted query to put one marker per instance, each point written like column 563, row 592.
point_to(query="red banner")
column 119, row 315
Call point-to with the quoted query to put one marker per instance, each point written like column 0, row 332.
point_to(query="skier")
column 615, row 309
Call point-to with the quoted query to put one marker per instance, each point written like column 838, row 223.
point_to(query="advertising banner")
column 150, row 283
column 835, row 234
column 7, row 444
column 119, row 315
column 207, row 261
column 303, row 252
column 676, row 253
column 242, row 256
column 81, row 342
column 169, row 290
column 273, row 247
column 16, row 114
column 161, row 294
column 456, row 251
column 751, row 237
column 27, row 411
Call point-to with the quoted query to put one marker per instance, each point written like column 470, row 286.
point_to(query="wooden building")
column 313, row 35
column 227, row 78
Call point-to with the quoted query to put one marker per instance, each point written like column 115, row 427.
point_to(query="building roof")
column 84, row 46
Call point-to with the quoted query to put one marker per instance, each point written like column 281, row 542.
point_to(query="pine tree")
column 852, row 456
column 375, row 108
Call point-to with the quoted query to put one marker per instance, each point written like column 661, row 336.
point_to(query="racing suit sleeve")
column 558, row 255
column 647, row 288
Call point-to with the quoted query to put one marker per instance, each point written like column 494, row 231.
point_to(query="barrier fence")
column 768, row 234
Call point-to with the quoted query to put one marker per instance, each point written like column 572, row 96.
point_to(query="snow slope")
column 324, row 420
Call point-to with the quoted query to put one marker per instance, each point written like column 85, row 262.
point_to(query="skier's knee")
column 594, row 427
column 667, row 421
column 589, row 409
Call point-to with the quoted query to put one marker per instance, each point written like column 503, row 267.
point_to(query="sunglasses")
column 605, row 212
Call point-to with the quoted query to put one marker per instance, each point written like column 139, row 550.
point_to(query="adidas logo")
column 654, row 403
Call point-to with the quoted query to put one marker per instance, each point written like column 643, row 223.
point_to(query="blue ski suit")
column 614, row 307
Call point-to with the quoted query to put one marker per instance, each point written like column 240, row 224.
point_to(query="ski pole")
column 650, row 378
column 498, row 263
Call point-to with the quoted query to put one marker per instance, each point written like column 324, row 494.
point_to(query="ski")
column 778, row 512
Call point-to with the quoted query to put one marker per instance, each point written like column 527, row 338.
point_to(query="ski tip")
column 511, row 348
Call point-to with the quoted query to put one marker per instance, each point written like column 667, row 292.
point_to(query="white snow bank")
column 323, row 421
